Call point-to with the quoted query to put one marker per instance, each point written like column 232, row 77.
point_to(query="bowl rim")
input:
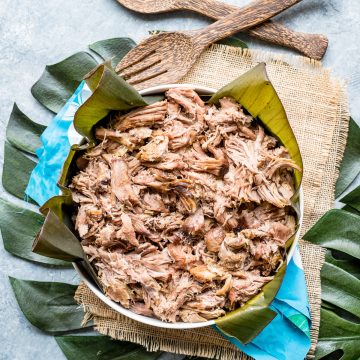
column 74, row 137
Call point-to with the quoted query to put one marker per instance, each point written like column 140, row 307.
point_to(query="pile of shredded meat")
column 183, row 208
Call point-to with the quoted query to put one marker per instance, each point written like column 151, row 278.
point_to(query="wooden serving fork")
column 167, row 57
column 311, row 45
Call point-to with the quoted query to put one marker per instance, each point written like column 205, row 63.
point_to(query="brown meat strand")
column 146, row 116
column 195, row 223
column 214, row 238
column 183, row 208
column 121, row 185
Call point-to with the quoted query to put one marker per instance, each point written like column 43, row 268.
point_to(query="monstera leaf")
column 352, row 199
column 337, row 230
column 102, row 347
column 50, row 306
column 113, row 49
column 350, row 165
column 338, row 335
column 16, row 171
column 19, row 227
column 59, row 81
column 22, row 132
column 340, row 288
column 343, row 261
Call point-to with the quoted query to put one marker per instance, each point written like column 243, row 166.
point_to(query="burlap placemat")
column 318, row 112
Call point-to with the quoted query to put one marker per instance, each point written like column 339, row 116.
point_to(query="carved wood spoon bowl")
column 167, row 57
column 311, row 45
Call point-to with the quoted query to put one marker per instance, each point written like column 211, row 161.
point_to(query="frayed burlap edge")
column 207, row 342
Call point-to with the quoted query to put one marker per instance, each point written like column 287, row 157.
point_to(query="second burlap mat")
column 318, row 112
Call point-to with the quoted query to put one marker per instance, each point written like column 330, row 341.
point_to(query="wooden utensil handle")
column 242, row 19
column 311, row 45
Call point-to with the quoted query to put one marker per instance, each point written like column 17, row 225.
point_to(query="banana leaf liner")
column 254, row 91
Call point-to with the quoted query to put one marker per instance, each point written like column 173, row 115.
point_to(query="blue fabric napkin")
column 287, row 337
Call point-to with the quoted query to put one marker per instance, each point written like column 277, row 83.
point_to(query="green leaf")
column 337, row 333
column 345, row 262
column 254, row 91
column 246, row 322
column 340, row 312
column 59, row 81
column 234, row 42
column 352, row 199
column 55, row 240
column 350, row 165
column 150, row 99
column 102, row 348
column 114, row 49
column 50, row 306
column 350, row 209
column 340, row 288
column 19, row 227
column 337, row 230
column 22, row 132
column 110, row 92
column 16, row 171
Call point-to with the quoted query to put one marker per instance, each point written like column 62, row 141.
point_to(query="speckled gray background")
column 34, row 33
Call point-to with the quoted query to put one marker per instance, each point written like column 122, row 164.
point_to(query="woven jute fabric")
column 318, row 112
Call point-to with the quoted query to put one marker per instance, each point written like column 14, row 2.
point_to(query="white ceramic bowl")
column 76, row 138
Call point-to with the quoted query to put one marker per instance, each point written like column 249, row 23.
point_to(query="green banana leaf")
column 111, row 93
column 337, row 333
column 102, row 348
column 233, row 41
column 340, row 288
column 57, row 241
column 114, row 49
column 255, row 93
column 338, row 230
column 16, row 171
column 247, row 322
column 352, row 199
column 350, row 165
column 19, row 227
column 22, row 132
column 59, row 81
column 50, row 306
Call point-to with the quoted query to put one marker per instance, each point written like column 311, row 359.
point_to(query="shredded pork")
column 184, row 208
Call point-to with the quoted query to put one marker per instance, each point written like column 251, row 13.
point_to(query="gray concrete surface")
column 34, row 33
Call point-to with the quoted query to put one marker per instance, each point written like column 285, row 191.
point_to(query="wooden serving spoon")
column 165, row 58
column 312, row 45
